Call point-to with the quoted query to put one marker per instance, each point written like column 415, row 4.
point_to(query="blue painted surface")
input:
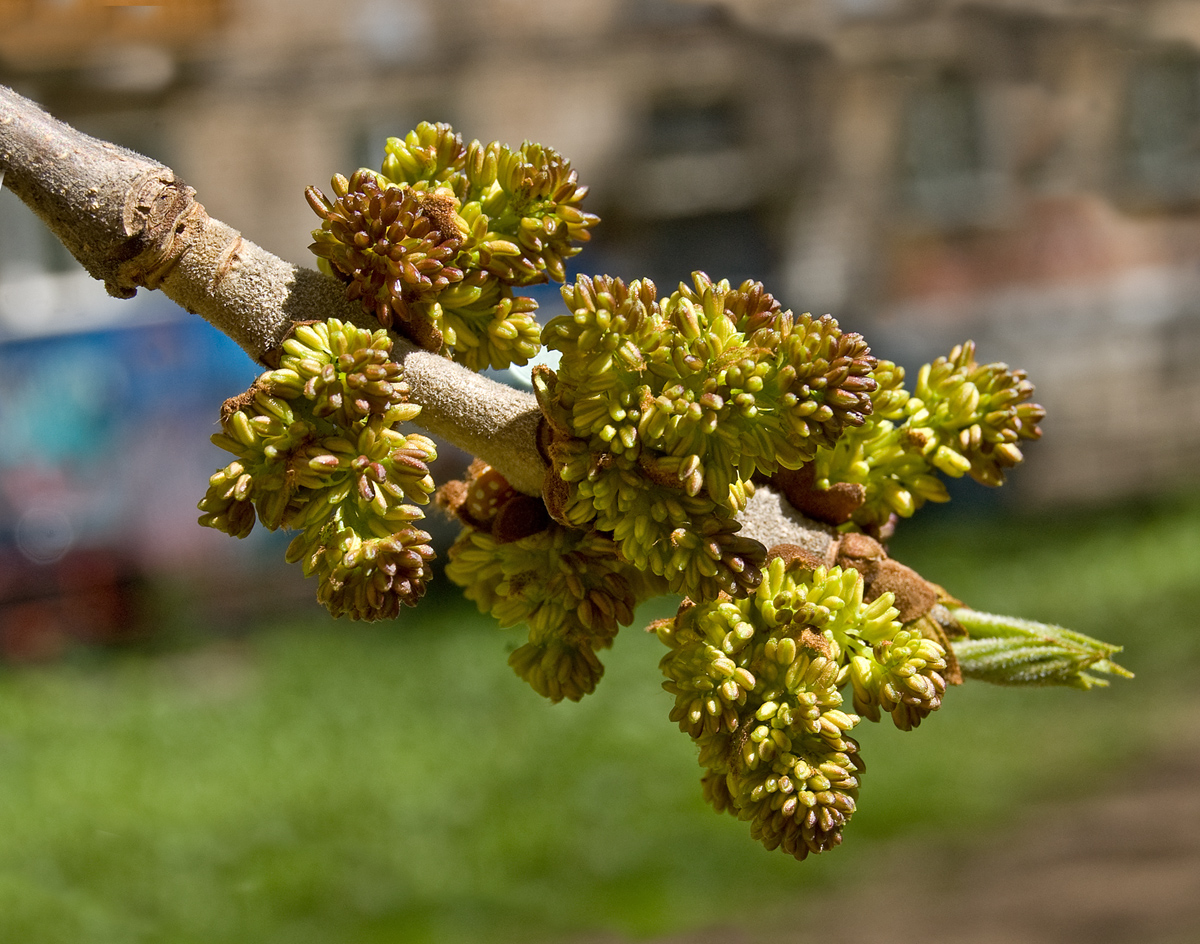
column 106, row 424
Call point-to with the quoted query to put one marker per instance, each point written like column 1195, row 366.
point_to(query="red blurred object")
column 91, row 597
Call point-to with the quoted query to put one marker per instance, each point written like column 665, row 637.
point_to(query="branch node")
column 160, row 216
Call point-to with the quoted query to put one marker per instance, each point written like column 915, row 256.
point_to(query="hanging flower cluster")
column 434, row 244
column 570, row 587
column 756, row 685
column 318, row 450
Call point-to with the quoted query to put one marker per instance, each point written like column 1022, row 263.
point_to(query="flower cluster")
column 318, row 450
column 756, row 685
column 661, row 411
column 434, row 244
column 962, row 418
column 903, row 675
column 570, row 587
column 662, row 418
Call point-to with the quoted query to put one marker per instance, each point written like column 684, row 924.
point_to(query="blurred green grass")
column 335, row 782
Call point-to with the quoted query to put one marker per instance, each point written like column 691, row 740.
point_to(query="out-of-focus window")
column 676, row 127
column 1163, row 122
column 730, row 245
column 946, row 176
column 693, row 200
column 866, row 8
column 694, row 160
column 671, row 13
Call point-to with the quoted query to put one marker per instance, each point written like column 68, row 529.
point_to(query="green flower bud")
column 1005, row 650
column 433, row 244
column 800, row 801
column 344, row 370
column 530, row 198
column 981, row 410
column 360, row 575
column 226, row 505
column 690, row 541
column 903, row 675
column 429, row 156
column 756, row 685
column 558, row 667
column 486, row 325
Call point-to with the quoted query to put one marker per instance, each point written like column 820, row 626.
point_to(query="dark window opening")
column 1164, row 127
column 942, row 131
column 945, row 174
column 672, row 13
column 677, row 127
column 731, row 245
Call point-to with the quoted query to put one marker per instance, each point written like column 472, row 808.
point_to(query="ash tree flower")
column 705, row 442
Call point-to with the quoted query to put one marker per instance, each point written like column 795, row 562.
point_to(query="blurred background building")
column 1022, row 172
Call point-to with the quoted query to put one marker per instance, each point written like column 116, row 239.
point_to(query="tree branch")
column 132, row 223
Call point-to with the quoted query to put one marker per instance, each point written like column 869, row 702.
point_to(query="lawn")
column 319, row 782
